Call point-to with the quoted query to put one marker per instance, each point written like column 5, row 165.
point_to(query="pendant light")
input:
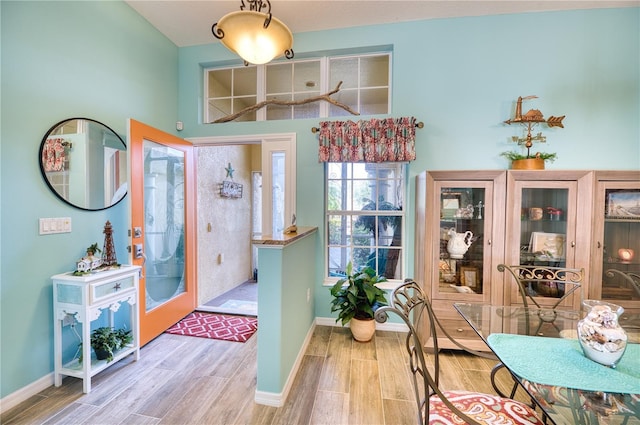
column 257, row 37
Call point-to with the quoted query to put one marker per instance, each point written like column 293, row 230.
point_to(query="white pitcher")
column 459, row 243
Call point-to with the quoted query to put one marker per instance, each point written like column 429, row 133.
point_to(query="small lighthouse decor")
column 109, row 250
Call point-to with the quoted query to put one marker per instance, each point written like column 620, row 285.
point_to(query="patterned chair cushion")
column 484, row 408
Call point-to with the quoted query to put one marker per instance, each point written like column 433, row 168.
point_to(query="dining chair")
column 632, row 278
column 551, row 283
column 435, row 405
column 554, row 283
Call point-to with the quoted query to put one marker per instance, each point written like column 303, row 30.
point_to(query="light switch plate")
column 49, row 226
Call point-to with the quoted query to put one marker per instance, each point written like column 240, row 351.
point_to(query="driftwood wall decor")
column 326, row 97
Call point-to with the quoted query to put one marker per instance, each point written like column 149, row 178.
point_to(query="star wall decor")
column 230, row 171
column 229, row 189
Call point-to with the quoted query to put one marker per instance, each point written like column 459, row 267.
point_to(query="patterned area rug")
column 216, row 326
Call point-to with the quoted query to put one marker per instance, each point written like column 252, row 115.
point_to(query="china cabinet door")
column 548, row 217
column 462, row 239
column 616, row 244
column 462, row 220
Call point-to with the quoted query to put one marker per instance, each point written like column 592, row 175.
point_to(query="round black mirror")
column 84, row 163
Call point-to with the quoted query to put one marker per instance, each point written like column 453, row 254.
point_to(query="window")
column 365, row 84
column 365, row 87
column 293, row 81
column 365, row 217
column 231, row 90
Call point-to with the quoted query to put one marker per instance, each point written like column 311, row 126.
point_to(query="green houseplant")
column 356, row 298
column 520, row 161
column 105, row 341
column 93, row 249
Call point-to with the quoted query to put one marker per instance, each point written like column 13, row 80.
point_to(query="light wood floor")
column 187, row 380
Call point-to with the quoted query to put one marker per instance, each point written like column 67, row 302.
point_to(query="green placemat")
column 560, row 362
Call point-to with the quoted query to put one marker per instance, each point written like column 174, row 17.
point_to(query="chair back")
column 555, row 283
column 631, row 278
column 408, row 301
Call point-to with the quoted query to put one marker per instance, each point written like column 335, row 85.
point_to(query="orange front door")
column 163, row 218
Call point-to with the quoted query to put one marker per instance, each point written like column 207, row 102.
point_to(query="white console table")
column 83, row 299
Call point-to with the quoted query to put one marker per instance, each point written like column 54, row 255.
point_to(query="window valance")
column 374, row 140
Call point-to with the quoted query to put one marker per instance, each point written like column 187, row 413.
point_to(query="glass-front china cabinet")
column 548, row 222
column 462, row 217
column 468, row 222
column 616, row 246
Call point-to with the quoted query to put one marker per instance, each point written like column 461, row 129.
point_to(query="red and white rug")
column 216, row 326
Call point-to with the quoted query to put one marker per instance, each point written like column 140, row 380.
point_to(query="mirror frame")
column 44, row 174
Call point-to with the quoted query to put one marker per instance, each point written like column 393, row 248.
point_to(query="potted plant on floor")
column 356, row 297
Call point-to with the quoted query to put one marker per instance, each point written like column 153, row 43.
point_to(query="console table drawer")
column 100, row 291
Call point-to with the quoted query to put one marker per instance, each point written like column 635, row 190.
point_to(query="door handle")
column 139, row 253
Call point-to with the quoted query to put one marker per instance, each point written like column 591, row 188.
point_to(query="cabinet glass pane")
column 462, row 228
column 543, row 230
column 621, row 250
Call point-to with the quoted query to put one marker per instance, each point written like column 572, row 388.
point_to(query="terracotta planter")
column 362, row 330
column 528, row 164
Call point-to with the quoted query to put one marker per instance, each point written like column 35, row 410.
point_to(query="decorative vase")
column 362, row 329
column 601, row 337
column 458, row 243
column 528, row 164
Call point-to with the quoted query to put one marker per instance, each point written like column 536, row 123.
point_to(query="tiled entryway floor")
column 242, row 299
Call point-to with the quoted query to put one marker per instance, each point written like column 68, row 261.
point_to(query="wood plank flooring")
column 187, row 380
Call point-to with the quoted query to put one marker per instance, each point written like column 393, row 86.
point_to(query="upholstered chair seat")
column 485, row 408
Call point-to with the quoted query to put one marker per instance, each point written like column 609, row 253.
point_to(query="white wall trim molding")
column 239, row 140
column 392, row 327
column 12, row 400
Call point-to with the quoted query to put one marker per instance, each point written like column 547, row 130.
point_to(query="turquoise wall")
column 101, row 60
column 462, row 77
column 284, row 274
column 96, row 59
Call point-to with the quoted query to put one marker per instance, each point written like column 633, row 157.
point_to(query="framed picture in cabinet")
column 623, row 204
column 547, row 245
column 450, row 204
column 469, row 277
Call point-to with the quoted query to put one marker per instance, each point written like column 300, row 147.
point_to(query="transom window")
column 365, row 217
column 365, row 88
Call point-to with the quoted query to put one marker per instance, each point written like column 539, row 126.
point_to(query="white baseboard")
column 17, row 397
column 393, row 327
column 278, row 399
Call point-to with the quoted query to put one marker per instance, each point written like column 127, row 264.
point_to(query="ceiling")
column 188, row 22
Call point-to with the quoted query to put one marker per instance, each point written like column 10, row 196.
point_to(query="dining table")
column 540, row 348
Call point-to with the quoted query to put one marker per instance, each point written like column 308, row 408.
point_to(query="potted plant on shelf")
column 356, row 297
column 93, row 249
column 521, row 161
column 105, row 341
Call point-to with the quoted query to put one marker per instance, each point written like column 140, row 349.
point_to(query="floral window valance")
column 54, row 154
column 374, row 140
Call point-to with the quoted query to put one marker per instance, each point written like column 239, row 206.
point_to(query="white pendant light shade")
column 245, row 33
